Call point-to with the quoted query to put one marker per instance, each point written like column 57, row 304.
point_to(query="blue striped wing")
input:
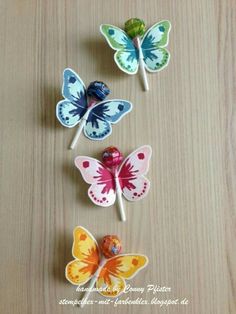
column 102, row 115
column 126, row 56
column 156, row 57
column 71, row 110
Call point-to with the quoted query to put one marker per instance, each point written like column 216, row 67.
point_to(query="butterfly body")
column 97, row 116
column 108, row 274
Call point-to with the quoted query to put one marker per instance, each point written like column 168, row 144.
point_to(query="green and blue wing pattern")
column 156, row 57
column 126, row 56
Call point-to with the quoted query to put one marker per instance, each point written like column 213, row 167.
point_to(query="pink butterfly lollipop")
column 116, row 176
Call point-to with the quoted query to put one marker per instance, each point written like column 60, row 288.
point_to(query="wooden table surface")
column 187, row 223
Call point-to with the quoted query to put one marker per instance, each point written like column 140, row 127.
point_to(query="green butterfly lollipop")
column 136, row 48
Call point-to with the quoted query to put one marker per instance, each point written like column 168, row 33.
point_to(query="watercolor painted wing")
column 102, row 115
column 156, row 57
column 102, row 189
column 86, row 253
column 133, row 183
column 111, row 280
column 126, row 56
column 71, row 110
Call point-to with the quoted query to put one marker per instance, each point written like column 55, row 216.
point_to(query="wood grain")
column 187, row 223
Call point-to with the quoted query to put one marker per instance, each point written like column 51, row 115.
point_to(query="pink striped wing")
column 133, row 183
column 102, row 189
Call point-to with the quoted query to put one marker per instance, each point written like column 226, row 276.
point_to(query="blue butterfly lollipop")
column 136, row 48
column 88, row 107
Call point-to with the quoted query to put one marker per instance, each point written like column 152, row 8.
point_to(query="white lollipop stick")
column 79, row 130
column 120, row 201
column 141, row 64
column 92, row 283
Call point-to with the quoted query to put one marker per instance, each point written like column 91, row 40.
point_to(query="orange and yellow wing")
column 111, row 280
column 86, row 253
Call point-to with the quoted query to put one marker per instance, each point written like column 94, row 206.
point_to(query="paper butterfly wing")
column 126, row 56
column 111, row 279
column 136, row 189
column 68, row 113
column 131, row 174
column 71, row 110
column 98, row 125
column 156, row 57
column 73, row 88
column 102, row 189
column 86, row 254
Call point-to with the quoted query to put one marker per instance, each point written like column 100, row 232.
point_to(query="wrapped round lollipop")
column 137, row 48
column 89, row 108
column 103, row 267
column 115, row 177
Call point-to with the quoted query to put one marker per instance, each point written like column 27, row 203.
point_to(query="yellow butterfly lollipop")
column 105, row 267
